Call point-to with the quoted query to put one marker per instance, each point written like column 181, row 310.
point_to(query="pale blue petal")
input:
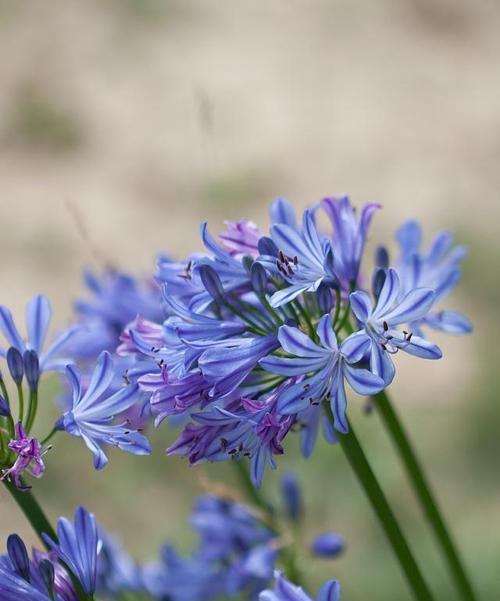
column 356, row 346
column 363, row 381
column 326, row 333
column 361, row 305
column 388, row 295
column 38, row 314
column 295, row 342
column 414, row 306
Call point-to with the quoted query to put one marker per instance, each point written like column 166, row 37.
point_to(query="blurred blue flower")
column 286, row 591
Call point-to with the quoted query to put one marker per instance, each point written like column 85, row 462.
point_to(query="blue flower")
column 439, row 269
column 117, row 572
column 304, row 260
column 286, row 591
column 94, row 409
column 116, row 299
column 378, row 337
column 324, row 367
column 328, row 544
column 349, row 236
column 38, row 315
column 78, row 545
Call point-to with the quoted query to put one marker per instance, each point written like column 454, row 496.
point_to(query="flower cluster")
column 257, row 337
column 263, row 333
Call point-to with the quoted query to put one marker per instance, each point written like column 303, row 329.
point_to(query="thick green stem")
column 380, row 505
column 424, row 494
column 32, row 510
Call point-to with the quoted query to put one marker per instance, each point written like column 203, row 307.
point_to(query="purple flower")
column 349, row 236
column 38, row 315
column 439, row 269
column 329, row 367
column 286, row 591
column 78, row 547
column 29, row 458
column 304, row 259
column 241, row 238
column 94, row 409
column 379, row 338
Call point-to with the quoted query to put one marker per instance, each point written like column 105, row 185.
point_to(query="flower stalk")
column 424, row 494
column 359, row 463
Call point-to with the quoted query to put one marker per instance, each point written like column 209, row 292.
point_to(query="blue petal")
column 102, row 377
column 356, row 346
column 326, row 333
column 450, row 322
column 282, row 211
column 363, row 381
column 409, row 237
column 361, row 305
column 291, row 367
column 295, row 342
column 381, row 364
column 388, row 295
column 338, row 402
column 330, row 591
column 414, row 306
column 38, row 314
column 420, row 347
column 285, row 296
column 9, row 329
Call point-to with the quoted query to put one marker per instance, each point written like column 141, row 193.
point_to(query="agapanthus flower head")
column 438, row 269
column 94, row 409
column 38, row 316
column 78, row 546
column 29, row 458
column 286, row 591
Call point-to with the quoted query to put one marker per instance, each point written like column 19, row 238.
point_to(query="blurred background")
column 125, row 123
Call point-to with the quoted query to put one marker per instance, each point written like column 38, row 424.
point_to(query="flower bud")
column 382, row 257
column 4, row 407
column 292, row 497
column 378, row 281
column 18, row 556
column 47, row 574
column 15, row 365
column 212, row 283
column 31, row 369
column 247, row 261
column 258, row 278
column 267, row 247
column 328, row 544
column 324, row 298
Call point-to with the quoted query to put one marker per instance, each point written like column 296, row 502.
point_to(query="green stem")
column 424, row 494
column 33, row 406
column 380, row 505
column 49, row 436
column 32, row 510
column 20, row 394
